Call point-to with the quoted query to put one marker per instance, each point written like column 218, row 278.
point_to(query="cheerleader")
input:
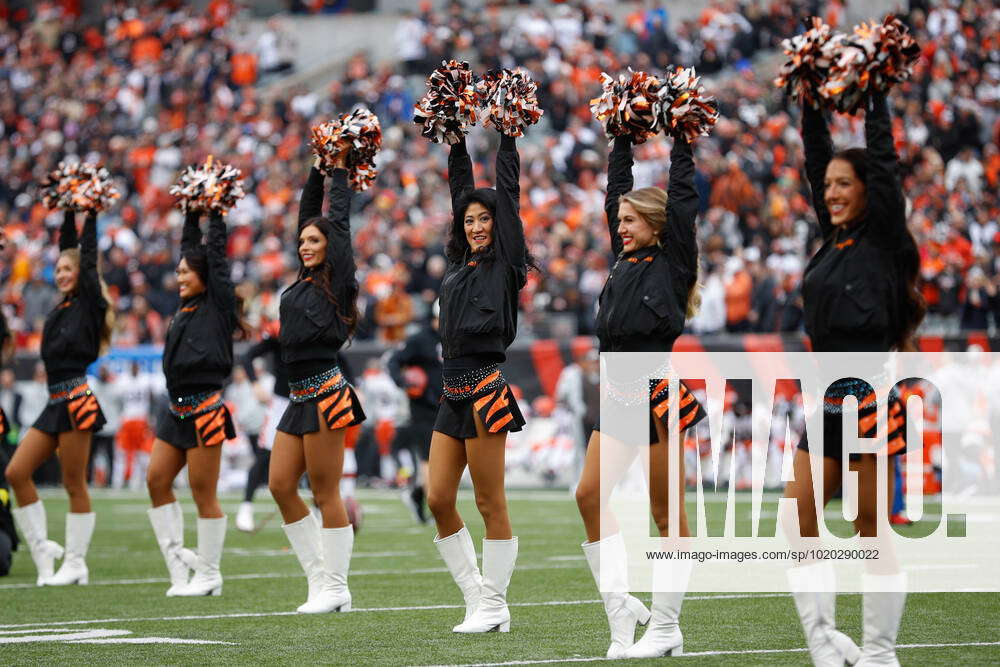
column 318, row 315
column 75, row 333
column 487, row 266
column 860, row 296
column 652, row 289
column 197, row 361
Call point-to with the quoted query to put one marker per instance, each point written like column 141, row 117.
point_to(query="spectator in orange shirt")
column 739, row 287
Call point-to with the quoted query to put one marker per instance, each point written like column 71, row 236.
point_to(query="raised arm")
column 340, row 202
column 67, row 233
column 220, row 285
column 819, row 151
column 191, row 234
column 311, row 203
column 886, row 203
column 90, row 280
column 508, row 230
column 620, row 181
column 679, row 234
column 460, row 179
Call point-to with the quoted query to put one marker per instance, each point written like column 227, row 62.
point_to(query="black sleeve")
column 220, row 284
column 620, row 181
column 191, row 235
column 886, row 204
column 90, row 280
column 460, row 179
column 67, row 233
column 679, row 234
column 311, row 203
column 340, row 202
column 266, row 346
column 819, row 151
column 508, row 229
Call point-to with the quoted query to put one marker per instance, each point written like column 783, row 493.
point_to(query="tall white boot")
column 459, row 554
column 814, row 590
column 304, row 536
column 168, row 526
column 207, row 579
column 338, row 545
column 608, row 562
column 664, row 638
column 79, row 529
column 884, row 599
column 32, row 522
column 492, row 614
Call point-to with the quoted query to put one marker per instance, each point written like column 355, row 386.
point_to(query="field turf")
column 405, row 602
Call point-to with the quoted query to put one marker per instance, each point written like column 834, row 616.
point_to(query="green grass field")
column 405, row 602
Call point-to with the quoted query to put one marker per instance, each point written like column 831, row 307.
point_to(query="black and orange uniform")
column 643, row 304
column 198, row 351
column 313, row 327
column 478, row 302
column 71, row 339
column 854, row 289
column 416, row 369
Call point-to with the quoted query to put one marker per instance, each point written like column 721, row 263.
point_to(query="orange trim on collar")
column 844, row 244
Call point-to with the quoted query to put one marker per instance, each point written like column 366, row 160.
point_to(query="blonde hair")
column 651, row 205
column 108, row 326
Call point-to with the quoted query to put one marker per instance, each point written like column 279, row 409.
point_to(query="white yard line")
column 548, row 603
column 705, row 653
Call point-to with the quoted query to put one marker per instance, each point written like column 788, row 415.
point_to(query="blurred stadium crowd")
column 156, row 86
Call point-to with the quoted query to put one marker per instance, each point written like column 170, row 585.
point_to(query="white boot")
column 338, row 544
column 459, row 554
column 79, row 529
column 884, row 599
column 609, row 564
column 664, row 638
column 304, row 536
column 244, row 517
column 168, row 526
column 207, row 579
column 492, row 614
column 31, row 520
column 814, row 591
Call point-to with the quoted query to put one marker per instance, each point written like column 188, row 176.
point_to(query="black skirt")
column 497, row 409
column 57, row 418
column 690, row 411
column 833, row 434
column 215, row 427
column 341, row 409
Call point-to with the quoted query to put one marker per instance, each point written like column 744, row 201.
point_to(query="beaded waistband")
column 68, row 390
column 833, row 401
column 316, row 386
column 474, row 383
column 183, row 407
column 641, row 389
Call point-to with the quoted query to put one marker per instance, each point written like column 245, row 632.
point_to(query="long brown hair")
column 651, row 205
column 108, row 324
column 338, row 269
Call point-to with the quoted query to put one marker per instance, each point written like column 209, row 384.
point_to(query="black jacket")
column 479, row 292
column 268, row 345
column 644, row 301
column 312, row 327
column 423, row 350
column 853, row 284
column 71, row 339
column 198, row 351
